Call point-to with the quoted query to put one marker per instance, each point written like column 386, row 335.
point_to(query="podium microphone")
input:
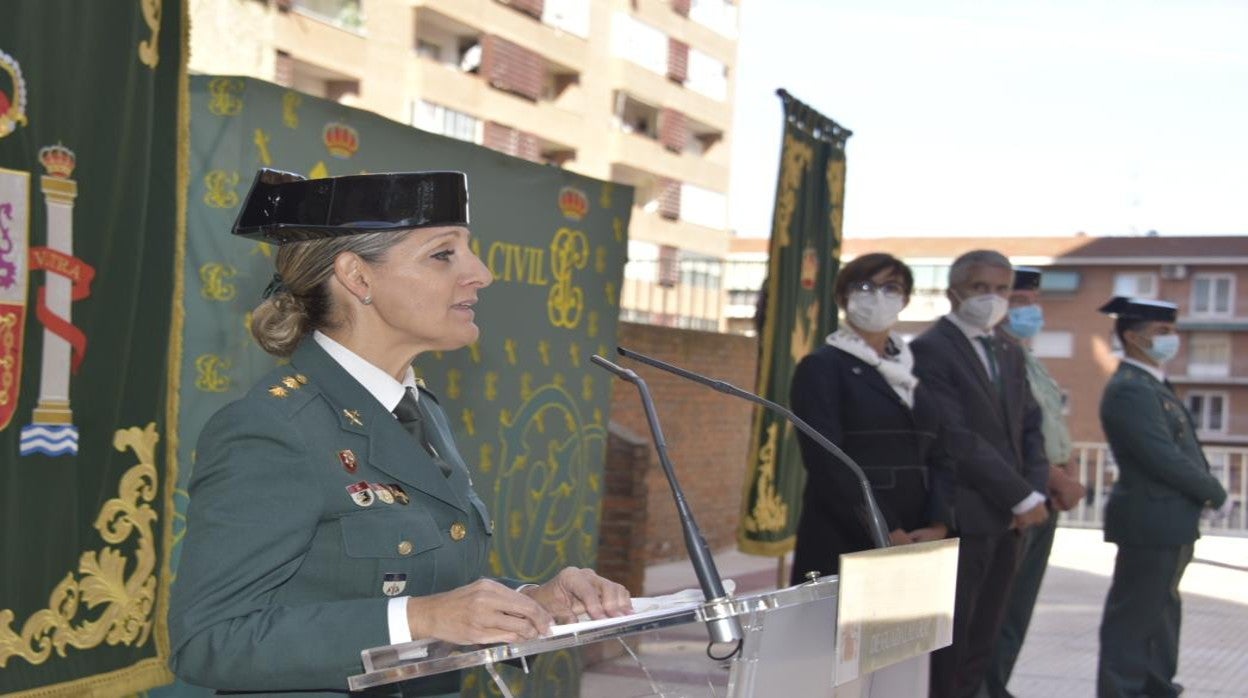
column 875, row 519
column 723, row 629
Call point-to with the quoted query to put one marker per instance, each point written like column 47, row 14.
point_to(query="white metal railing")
column 1098, row 471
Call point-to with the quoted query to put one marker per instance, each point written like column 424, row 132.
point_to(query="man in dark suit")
column 994, row 437
column 1154, row 509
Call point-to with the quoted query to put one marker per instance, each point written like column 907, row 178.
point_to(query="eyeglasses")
column 888, row 289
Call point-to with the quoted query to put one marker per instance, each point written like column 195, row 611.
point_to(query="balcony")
column 641, row 152
column 555, row 45
column 653, row 88
column 450, row 87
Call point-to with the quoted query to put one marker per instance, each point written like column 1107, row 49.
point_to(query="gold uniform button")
column 405, row 548
column 458, row 531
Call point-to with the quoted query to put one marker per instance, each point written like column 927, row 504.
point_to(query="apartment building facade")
column 638, row 92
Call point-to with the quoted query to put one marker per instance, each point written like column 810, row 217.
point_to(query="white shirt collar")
column 968, row 329
column 377, row 382
column 1153, row 371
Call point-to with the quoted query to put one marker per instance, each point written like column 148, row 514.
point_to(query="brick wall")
column 622, row 532
column 707, row 434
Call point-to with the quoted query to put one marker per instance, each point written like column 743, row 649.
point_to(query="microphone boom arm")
column 726, row 629
column 875, row 519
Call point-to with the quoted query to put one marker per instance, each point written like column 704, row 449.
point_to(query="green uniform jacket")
column 280, row 583
column 1163, row 477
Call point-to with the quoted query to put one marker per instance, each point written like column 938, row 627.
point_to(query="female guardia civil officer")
column 329, row 509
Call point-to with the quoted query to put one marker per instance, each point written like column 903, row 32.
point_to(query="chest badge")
column 399, row 495
column 353, row 416
column 361, row 494
column 349, row 461
column 393, row 584
column 383, row 493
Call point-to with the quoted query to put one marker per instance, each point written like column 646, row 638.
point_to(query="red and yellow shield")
column 14, row 271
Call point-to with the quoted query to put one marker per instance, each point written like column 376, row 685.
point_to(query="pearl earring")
column 367, row 300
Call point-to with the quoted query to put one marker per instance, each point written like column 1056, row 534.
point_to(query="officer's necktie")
column 415, row 421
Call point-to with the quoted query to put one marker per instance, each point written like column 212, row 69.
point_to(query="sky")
column 995, row 117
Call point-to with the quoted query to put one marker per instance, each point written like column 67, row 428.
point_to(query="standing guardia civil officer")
column 1022, row 325
column 330, row 510
column 1154, row 509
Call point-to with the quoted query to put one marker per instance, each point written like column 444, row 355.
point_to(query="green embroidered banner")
column 530, row 411
column 89, row 136
column 800, row 311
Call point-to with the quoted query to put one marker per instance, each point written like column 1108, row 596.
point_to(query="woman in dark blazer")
column 860, row 392
column 330, row 510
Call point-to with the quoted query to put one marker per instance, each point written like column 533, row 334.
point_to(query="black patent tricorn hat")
column 1140, row 309
column 1026, row 278
column 285, row 207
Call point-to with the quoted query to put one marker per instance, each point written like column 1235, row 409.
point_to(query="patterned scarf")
column 896, row 366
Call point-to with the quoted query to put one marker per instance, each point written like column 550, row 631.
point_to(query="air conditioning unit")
column 1174, row 272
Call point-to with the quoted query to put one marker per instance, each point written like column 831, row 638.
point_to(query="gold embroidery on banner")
column 8, row 367
column 149, row 50
column 543, row 352
column 604, row 197
column 568, row 251
column 486, row 463
column 453, row 377
column 261, row 139
column 574, row 353
column 770, row 512
column 509, row 347
column 836, row 194
column 214, row 277
column 491, row 385
column 617, row 228
column 211, row 373
column 469, row 420
column 797, row 157
column 224, row 99
column 127, row 602
column 608, row 290
column 587, row 387
column 219, row 189
column 802, row 340
column 600, row 259
column 290, row 108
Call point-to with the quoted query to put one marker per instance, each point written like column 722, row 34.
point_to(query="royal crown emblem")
column 12, row 95
column 340, row 139
column 58, row 160
column 573, row 203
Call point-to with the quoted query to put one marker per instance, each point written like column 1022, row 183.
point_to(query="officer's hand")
column 481, row 612
column 1032, row 517
column 898, row 536
column 575, row 591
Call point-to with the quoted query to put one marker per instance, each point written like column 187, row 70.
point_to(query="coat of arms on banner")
column 52, row 431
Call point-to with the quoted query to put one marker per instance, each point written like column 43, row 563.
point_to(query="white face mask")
column 983, row 311
column 872, row 312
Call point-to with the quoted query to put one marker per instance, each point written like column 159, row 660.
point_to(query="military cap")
column 1026, row 278
column 1140, row 309
column 284, row 207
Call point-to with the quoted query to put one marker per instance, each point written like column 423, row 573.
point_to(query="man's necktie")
column 994, row 370
column 415, row 421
